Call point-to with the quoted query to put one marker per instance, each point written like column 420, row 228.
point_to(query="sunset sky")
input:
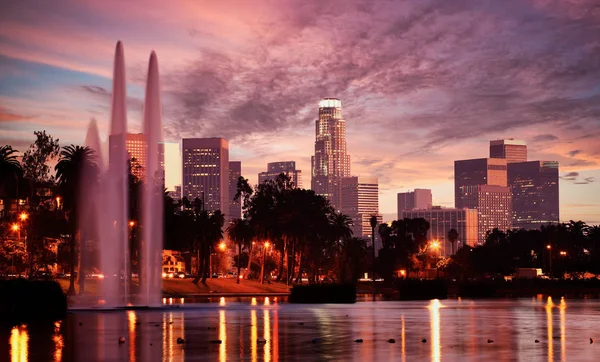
column 422, row 83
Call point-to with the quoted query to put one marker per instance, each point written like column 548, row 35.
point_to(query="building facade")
column 330, row 163
column 360, row 200
column 480, row 171
column 136, row 146
column 205, row 168
column 534, row 187
column 493, row 205
column 464, row 221
column 286, row 167
column 235, row 206
column 511, row 150
column 420, row 199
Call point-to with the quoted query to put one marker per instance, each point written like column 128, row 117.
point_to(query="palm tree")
column 10, row 169
column 240, row 232
column 210, row 230
column 341, row 225
column 452, row 238
column 74, row 162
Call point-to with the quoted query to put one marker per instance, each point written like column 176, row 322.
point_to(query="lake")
column 446, row 330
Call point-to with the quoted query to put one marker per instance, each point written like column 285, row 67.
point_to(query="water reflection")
column 563, row 322
column 19, row 340
column 267, row 334
column 131, row 319
column 403, row 336
column 253, row 302
column 59, row 342
column 267, row 302
column 222, row 301
column 434, row 317
column 222, row 337
column 549, row 306
column 275, row 338
column 253, row 334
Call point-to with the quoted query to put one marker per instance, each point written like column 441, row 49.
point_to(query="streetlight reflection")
column 434, row 316
column 222, row 301
column 563, row 334
column 19, row 340
column 59, row 342
column 403, row 341
column 222, row 337
column 131, row 319
column 253, row 334
column 549, row 306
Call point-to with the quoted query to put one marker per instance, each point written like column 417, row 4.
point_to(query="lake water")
column 455, row 330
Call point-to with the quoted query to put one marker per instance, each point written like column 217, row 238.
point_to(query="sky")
column 422, row 83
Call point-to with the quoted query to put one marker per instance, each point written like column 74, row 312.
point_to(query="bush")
column 25, row 301
column 323, row 293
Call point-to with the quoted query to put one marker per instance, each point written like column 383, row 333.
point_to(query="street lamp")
column 222, row 246
column 563, row 253
column 23, row 216
column 15, row 227
column 131, row 223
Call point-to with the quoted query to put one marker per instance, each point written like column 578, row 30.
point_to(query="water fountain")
column 109, row 199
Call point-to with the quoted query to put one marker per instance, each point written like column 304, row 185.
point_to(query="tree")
column 75, row 161
column 209, row 227
column 36, row 158
column 240, row 232
column 10, row 171
column 453, row 238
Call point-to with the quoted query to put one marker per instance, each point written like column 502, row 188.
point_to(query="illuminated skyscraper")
column 136, row 145
column 510, row 149
column 205, row 166
column 535, row 193
column 235, row 206
column 330, row 162
column 286, row 167
column 360, row 200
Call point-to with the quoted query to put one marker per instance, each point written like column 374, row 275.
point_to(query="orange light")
column 403, row 272
column 563, row 253
column 15, row 227
column 222, row 246
column 23, row 216
column 548, row 246
column 267, row 244
column 435, row 244
column 131, row 223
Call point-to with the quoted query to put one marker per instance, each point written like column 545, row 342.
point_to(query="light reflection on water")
column 457, row 333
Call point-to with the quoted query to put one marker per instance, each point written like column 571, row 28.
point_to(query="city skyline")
column 409, row 111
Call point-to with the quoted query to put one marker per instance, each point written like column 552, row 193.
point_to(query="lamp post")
column 262, row 267
column 549, row 247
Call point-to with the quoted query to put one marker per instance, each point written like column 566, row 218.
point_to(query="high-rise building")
column 330, row 162
column 479, row 171
column 235, row 206
column 534, row 187
column 512, row 150
column 205, row 166
column 136, row 146
column 420, row 199
column 286, row 167
column 360, row 200
column 464, row 221
column 493, row 204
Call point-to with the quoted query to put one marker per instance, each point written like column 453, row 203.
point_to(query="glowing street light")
column 267, row 244
column 435, row 244
column 563, row 253
column 58, row 202
column 23, row 216
column 222, row 246
column 548, row 246
column 15, row 227
column 131, row 223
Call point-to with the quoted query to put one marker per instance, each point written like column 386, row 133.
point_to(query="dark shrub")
column 25, row 301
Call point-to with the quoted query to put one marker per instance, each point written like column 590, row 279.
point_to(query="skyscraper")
column 479, row 171
column 512, row 150
column 205, row 166
column 235, row 206
column 534, row 187
column 419, row 199
column 360, row 200
column 482, row 184
column 286, row 167
column 330, row 162
column 136, row 146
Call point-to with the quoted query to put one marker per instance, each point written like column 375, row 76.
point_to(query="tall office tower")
column 205, row 166
column 286, row 167
column 136, row 145
column 235, row 206
column 479, row 171
column 420, row 199
column 360, row 200
column 534, row 187
column 510, row 149
column 464, row 221
column 482, row 184
column 493, row 204
column 330, row 163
